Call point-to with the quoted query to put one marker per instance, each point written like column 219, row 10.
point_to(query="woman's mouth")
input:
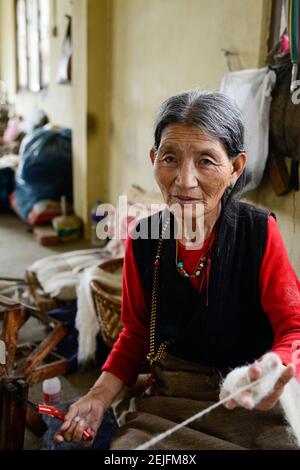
column 184, row 199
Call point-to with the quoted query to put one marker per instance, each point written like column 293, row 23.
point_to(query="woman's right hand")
column 85, row 414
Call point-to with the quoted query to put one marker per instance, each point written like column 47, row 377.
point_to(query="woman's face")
column 193, row 168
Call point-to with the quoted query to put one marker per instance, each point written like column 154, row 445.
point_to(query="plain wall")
column 164, row 47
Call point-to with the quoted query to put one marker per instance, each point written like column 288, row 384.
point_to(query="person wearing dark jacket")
column 211, row 291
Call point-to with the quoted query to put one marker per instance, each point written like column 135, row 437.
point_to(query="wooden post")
column 59, row 366
column 279, row 175
column 14, row 317
column 274, row 32
column 12, row 415
column 277, row 166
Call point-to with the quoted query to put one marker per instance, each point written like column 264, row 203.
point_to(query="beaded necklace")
column 201, row 263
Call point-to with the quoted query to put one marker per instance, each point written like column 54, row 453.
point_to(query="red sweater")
column 280, row 299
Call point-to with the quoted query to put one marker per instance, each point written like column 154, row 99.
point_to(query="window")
column 33, row 44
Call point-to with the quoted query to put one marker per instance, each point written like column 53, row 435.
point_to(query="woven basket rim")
column 99, row 295
column 98, row 289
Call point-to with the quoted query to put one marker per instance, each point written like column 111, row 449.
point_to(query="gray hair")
column 213, row 112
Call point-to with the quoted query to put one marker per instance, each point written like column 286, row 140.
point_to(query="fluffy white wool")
column 271, row 371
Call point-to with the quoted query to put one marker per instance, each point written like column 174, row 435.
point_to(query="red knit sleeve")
column 280, row 296
column 129, row 351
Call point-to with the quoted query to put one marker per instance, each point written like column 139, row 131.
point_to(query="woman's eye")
column 169, row 159
column 206, row 162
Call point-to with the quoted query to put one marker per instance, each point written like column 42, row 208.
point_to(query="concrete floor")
column 18, row 250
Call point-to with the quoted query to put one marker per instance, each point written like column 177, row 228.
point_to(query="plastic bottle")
column 95, row 219
column 52, row 391
column 68, row 227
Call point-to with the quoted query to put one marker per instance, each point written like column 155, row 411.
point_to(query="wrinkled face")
column 193, row 168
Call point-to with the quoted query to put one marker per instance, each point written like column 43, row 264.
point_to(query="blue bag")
column 45, row 170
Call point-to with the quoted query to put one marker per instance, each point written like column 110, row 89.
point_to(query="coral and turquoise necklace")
column 201, row 263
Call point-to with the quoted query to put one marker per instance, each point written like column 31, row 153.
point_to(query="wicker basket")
column 107, row 307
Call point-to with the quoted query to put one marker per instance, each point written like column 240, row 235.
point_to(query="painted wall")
column 92, row 43
column 7, row 49
column 79, row 70
column 164, row 47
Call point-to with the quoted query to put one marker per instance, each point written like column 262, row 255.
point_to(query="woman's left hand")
column 246, row 398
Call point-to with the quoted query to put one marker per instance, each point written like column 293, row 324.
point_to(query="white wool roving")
column 271, row 370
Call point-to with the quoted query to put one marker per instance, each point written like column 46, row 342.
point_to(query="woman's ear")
column 238, row 166
column 152, row 154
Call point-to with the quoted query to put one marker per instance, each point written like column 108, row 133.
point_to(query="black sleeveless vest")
column 233, row 328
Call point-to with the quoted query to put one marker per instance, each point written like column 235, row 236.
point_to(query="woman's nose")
column 187, row 176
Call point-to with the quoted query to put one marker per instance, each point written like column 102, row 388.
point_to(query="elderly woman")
column 213, row 291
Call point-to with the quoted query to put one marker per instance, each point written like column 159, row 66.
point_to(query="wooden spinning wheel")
column 23, row 365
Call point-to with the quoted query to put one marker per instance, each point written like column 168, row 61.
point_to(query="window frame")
column 42, row 85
